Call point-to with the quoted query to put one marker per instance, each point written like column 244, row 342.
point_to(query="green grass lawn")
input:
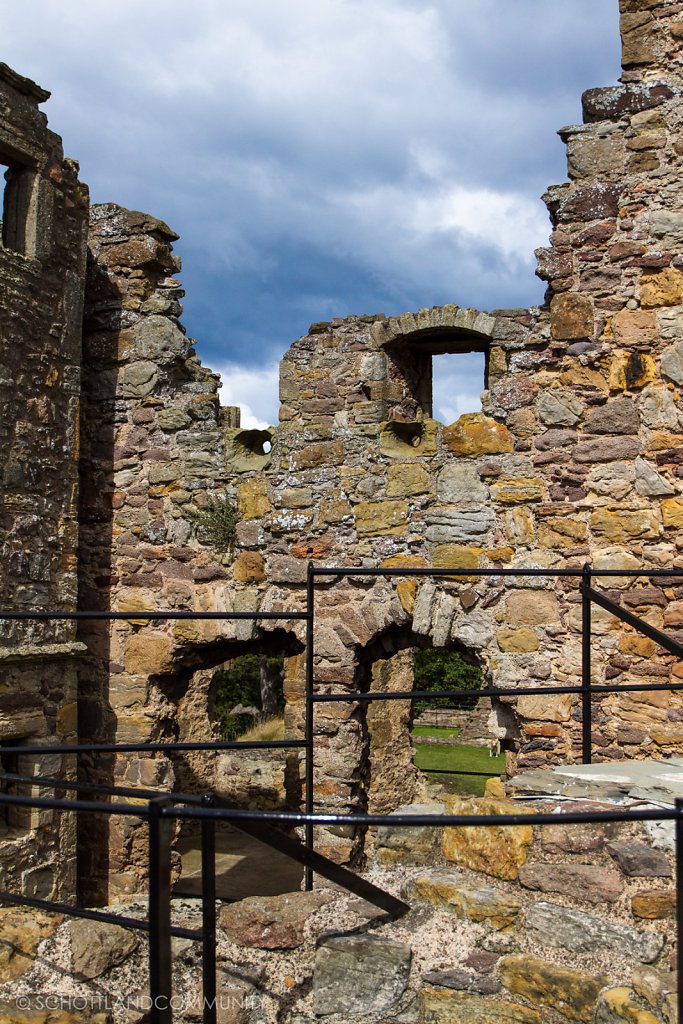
column 437, row 759
column 435, row 730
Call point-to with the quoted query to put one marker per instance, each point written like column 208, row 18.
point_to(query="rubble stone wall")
column 575, row 457
column 42, row 268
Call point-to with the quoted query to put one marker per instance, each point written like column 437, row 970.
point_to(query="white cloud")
column 254, row 390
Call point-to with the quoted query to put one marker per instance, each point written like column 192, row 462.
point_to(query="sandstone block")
column 658, row 408
column 447, row 1006
column 559, row 409
column 618, row 416
column 634, row 327
column 518, row 527
column 173, row 418
column 359, row 974
column 137, row 380
column 661, row 288
column 629, row 370
column 475, row 434
column 552, row 925
column 253, row 499
column 649, row 482
column 496, row 850
column 621, row 1004
column 400, row 440
column 379, row 518
column 672, row 513
column 161, row 341
column 517, row 640
column 466, row 900
column 456, row 556
column 525, row 609
column 513, row 392
column 623, row 526
column 451, row 524
column 587, row 882
column 557, row 532
column 270, row 922
column 407, row 592
column 249, row 567
column 638, row 860
column 571, row 317
column 589, row 157
column 460, row 483
column 672, row 362
column 414, row 845
column 407, row 478
column 517, row 491
column 314, row 455
column 653, row 985
column 614, row 479
column 22, row 929
column 335, row 510
column 607, row 449
column 654, row 904
column 147, row 655
column 556, row 708
column 285, row 569
column 97, row 946
column 571, row 992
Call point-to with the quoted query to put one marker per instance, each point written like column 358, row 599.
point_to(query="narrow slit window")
column 17, row 199
column 458, row 378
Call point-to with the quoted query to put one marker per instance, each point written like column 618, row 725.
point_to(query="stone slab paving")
column 659, row 782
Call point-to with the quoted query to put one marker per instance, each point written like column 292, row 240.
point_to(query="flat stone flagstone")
column 552, row 925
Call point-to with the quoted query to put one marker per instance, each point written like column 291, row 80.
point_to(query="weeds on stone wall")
column 215, row 524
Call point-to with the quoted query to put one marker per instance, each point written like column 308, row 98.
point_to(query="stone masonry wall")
column 575, row 457
column 42, row 268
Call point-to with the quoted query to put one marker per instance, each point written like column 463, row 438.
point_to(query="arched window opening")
column 455, row 746
column 424, row 749
column 240, row 698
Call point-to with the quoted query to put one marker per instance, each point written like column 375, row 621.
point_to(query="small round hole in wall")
column 248, row 449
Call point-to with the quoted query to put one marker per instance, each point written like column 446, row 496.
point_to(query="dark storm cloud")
column 322, row 157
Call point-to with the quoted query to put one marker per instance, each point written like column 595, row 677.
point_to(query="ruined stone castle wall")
column 574, row 457
column 42, row 267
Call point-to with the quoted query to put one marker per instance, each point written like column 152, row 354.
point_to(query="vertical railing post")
column 208, row 914
column 160, row 982
column 310, row 595
column 586, row 703
column 679, row 903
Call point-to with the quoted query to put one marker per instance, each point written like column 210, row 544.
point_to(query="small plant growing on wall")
column 215, row 524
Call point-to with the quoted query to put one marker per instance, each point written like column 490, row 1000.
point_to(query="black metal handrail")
column 161, row 808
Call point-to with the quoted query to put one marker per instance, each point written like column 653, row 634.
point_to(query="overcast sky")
column 322, row 157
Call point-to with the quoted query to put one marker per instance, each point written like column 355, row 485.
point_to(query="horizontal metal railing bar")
column 94, row 915
column 113, row 748
column 292, row 818
column 341, row 698
column 58, row 804
column 94, row 787
column 318, row 570
column 150, row 616
column 669, row 644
